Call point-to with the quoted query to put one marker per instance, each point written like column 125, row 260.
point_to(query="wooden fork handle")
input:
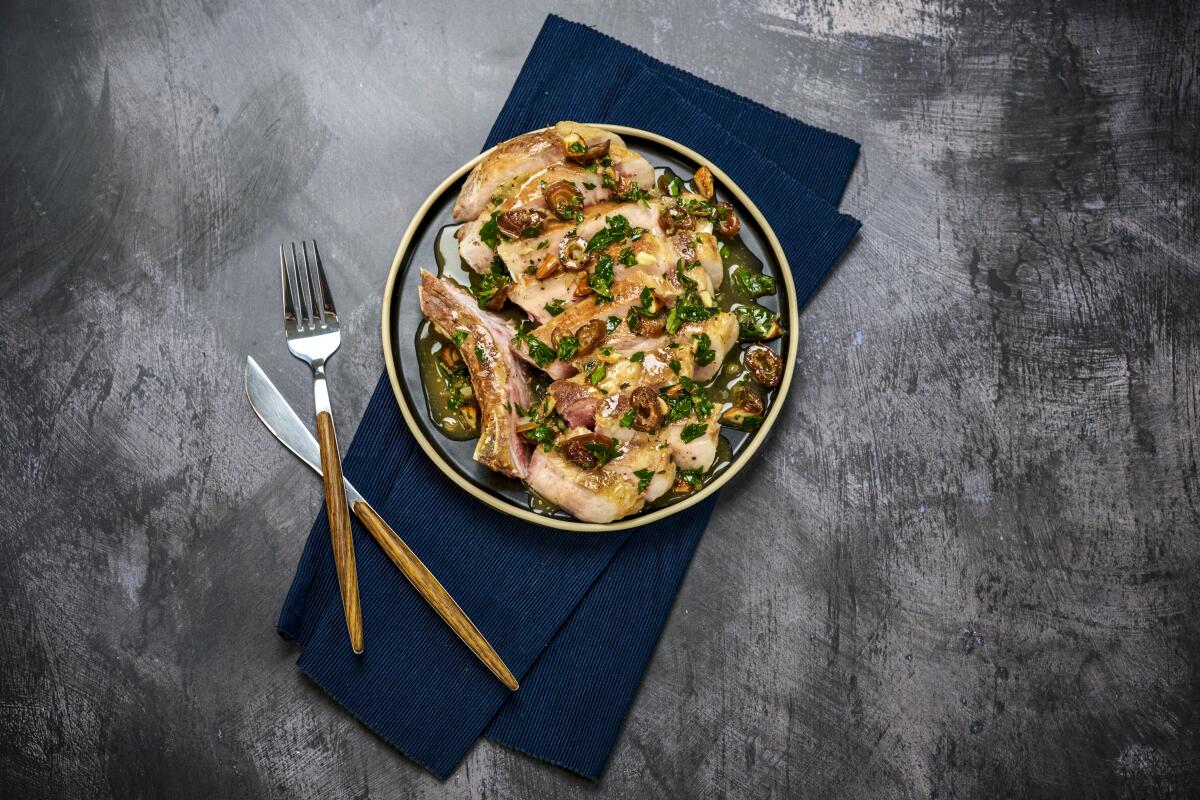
column 339, row 528
column 432, row 590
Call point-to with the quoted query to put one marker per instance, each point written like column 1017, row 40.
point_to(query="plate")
column 402, row 318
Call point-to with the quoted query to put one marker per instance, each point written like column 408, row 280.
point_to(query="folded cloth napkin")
column 575, row 616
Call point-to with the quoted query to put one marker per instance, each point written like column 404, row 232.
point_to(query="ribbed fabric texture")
column 575, row 616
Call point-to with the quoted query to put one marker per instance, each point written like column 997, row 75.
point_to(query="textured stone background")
column 967, row 565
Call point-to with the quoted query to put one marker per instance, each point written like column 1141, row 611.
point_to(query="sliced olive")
column 451, row 359
column 674, row 218
column 703, row 181
column 563, row 199
column 587, row 450
column 577, row 150
column 520, row 222
column 470, row 414
column 741, row 419
column 648, row 415
column 749, row 399
column 764, row 365
column 572, row 252
column 727, row 223
column 589, row 335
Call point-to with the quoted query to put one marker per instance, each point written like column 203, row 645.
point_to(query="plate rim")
column 574, row 525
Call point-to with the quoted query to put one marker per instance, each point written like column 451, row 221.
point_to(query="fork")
column 313, row 335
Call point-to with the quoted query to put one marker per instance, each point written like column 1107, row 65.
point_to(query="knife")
column 282, row 421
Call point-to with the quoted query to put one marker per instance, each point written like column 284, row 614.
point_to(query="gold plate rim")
column 528, row 515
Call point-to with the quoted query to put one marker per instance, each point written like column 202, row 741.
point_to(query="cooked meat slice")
column 626, row 293
column 722, row 333
column 506, row 171
column 533, row 295
column 521, row 254
column 591, row 495
column 575, row 401
column 702, row 247
column 471, row 247
column 504, row 168
column 646, row 454
column 497, row 376
column 699, row 453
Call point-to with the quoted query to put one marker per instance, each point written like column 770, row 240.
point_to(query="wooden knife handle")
column 339, row 528
column 432, row 590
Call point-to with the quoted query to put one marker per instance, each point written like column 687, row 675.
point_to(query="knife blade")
column 285, row 425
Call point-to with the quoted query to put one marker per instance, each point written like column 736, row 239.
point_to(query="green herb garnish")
column 618, row 230
column 644, row 477
column 626, row 420
column 601, row 279
column 568, row 346
column 627, row 257
column 489, row 232
column 611, row 324
column 597, row 375
column 674, row 365
column 705, row 355
column 460, row 336
column 753, row 284
column 756, row 322
column 692, row 432
column 637, row 357
column 555, row 307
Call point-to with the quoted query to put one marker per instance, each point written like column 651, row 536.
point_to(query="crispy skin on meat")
column 497, row 376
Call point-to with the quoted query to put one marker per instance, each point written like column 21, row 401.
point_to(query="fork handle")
column 339, row 527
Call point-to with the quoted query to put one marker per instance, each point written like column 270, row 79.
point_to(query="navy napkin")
column 575, row 616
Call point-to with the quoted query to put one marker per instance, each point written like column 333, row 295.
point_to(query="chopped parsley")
column 688, row 308
column 647, row 297
column 490, row 231
column 725, row 251
column 541, row 353
column 756, row 322
column 753, row 284
column 627, row 257
column 612, row 324
column 674, row 365
column 637, row 357
column 597, row 375
column 618, row 230
column 694, row 431
column 705, row 355
column 601, row 279
column 479, row 353
column 589, row 186
column 542, row 244
column 555, row 307
column 603, row 451
column 644, row 477
column 488, row 286
column 692, row 399
column 626, row 420
column 577, row 147
column 692, row 477
column 460, row 336
column 568, row 346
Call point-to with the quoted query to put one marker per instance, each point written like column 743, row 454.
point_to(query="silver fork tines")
column 307, row 302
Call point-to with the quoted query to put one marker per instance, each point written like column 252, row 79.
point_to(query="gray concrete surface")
column 966, row 565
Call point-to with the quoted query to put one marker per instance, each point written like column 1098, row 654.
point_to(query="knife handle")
column 432, row 590
column 339, row 528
